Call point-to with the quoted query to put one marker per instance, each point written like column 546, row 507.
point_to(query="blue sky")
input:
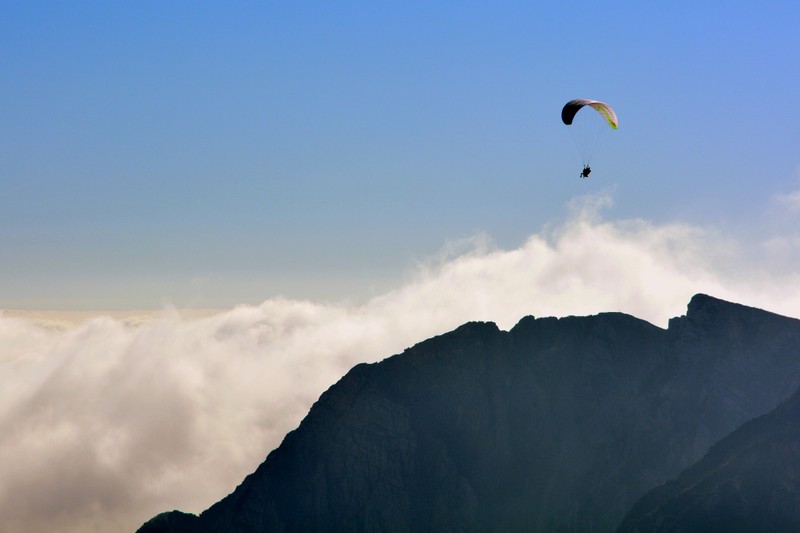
column 209, row 154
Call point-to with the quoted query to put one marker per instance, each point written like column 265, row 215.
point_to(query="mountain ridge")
column 559, row 424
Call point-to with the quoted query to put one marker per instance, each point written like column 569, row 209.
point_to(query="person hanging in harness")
column 589, row 127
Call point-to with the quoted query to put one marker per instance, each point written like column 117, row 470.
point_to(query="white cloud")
column 789, row 201
column 106, row 423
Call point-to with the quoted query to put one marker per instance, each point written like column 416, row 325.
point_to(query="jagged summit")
column 705, row 304
column 704, row 309
column 556, row 425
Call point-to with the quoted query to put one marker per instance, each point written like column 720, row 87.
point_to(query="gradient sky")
column 210, row 154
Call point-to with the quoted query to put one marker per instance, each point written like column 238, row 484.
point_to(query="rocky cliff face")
column 556, row 425
column 749, row 481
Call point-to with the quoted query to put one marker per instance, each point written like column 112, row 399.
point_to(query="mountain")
column 749, row 481
column 555, row 425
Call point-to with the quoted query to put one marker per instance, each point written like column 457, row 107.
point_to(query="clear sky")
column 210, row 154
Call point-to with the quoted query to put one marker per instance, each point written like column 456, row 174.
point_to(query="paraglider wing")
column 573, row 106
column 588, row 128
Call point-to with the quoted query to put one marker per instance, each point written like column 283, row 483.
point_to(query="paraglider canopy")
column 573, row 106
column 588, row 127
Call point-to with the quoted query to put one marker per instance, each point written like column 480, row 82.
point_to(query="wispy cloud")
column 8, row 190
column 790, row 201
column 109, row 422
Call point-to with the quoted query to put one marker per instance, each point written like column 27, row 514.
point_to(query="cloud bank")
column 106, row 423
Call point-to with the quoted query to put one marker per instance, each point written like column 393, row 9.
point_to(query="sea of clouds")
column 107, row 422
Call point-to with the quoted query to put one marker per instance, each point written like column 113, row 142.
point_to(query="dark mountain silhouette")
column 749, row 481
column 556, row 425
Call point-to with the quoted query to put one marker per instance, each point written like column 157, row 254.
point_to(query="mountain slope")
column 749, row 481
column 556, row 425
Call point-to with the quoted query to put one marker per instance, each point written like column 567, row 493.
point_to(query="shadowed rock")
column 749, row 481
